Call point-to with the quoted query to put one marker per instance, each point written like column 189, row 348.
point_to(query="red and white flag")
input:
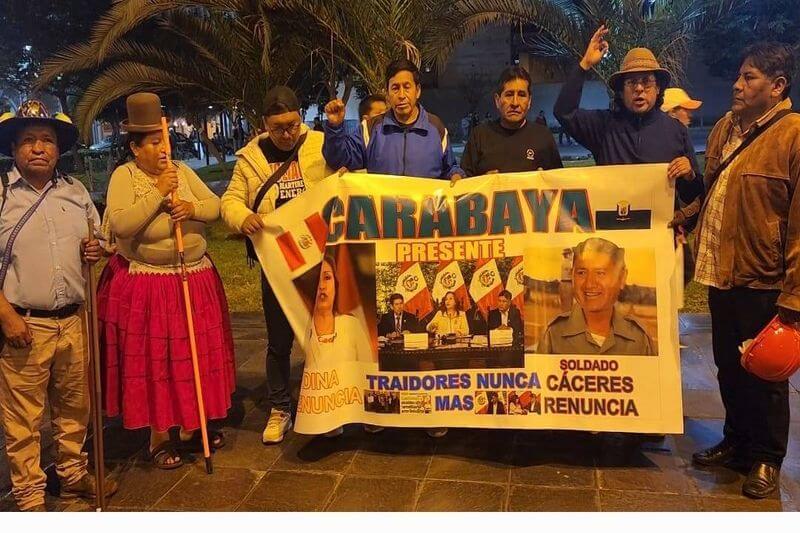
column 450, row 279
column 411, row 284
column 486, row 285
column 515, row 284
column 303, row 244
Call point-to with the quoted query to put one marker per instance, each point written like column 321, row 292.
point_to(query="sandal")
column 216, row 441
column 161, row 454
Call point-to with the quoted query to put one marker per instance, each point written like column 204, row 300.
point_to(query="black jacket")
column 408, row 323
column 514, row 321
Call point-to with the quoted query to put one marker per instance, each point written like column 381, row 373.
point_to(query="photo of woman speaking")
column 449, row 318
column 334, row 337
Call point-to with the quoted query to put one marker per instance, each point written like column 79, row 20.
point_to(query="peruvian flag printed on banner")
column 515, row 284
column 486, row 285
column 450, row 279
column 303, row 244
column 411, row 284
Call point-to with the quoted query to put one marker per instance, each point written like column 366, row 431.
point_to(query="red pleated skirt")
column 148, row 375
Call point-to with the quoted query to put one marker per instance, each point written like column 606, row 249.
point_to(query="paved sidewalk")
column 472, row 470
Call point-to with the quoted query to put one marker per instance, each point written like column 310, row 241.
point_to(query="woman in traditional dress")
column 145, row 338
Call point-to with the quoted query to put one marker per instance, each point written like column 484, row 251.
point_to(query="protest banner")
column 588, row 339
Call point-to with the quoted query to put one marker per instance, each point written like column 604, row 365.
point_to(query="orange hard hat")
column 774, row 355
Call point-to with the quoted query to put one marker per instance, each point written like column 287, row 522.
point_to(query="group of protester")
column 745, row 212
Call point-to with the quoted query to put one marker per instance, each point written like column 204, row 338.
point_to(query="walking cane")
column 198, row 388
column 95, row 389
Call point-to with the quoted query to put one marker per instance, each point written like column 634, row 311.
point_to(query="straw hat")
column 640, row 60
column 34, row 112
column 675, row 97
column 144, row 113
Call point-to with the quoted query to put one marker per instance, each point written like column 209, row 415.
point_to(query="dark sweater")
column 493, row 147
column 622, row 137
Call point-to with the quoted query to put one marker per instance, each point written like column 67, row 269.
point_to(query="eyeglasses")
column 647, row 82
column 291, row 130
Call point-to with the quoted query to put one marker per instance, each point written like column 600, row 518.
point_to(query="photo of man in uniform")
column 596, row 324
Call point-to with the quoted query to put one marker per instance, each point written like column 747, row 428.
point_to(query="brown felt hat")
column 144, row 113
column 640, row 60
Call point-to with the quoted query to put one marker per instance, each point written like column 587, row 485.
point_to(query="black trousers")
column 756, row 411
column 280, row 338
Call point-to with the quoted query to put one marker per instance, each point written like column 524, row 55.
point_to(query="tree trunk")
column 77, row 161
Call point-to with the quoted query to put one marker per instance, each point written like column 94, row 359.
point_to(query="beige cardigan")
column 143, row 231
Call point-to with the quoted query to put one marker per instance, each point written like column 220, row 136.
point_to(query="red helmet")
column 774, row 355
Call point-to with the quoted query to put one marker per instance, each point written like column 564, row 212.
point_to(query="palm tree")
column 211, row 53
column 368, row 34
column 227, row 53
column 558, row 30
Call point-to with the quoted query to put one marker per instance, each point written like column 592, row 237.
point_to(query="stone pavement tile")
column 790, row 482
column 794, row 405
column 394, row 452
column 472, row 455
column 717, row 481
column 697, row 376
column 624, row 500
column 141, row 485
column 247, row 320
column 643, row 470
column 290, row 491
column 525, row 498
column 720, row 504
column 793, row 449
column 250, row 351
column 702, row 404
column 437, row 496
column 321, row 454
column 249, row 332
column 698, row 434
column 244, row 449
column 374, row 494
column 223, row 490
column 120, row 444
column 8, row 505
column 551, row 466
column 695, row 321
column 794, row 381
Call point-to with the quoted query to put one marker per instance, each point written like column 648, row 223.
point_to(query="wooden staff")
column 198, row 387
column 95, row 385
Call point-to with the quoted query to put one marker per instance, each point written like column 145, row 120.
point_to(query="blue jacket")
column 383, row 146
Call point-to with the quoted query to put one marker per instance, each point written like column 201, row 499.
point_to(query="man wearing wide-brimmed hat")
column 43, row 242
column 635, row 130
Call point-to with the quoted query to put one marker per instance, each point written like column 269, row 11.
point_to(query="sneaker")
column 278, row 424
column 86, row 488
column 369, row 428
column 436, row 433
column 332, row 434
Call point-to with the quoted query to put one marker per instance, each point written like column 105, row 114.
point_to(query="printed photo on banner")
column 382, row 402
column 523, row 402
column 594, row 298
column 450, row 314
column 339, row 293
column 492, row 402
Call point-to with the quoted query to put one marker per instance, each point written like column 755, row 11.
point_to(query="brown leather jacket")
column 760, row 235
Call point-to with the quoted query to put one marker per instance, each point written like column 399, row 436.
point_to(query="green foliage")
column 560, row 29
column 774, row 20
